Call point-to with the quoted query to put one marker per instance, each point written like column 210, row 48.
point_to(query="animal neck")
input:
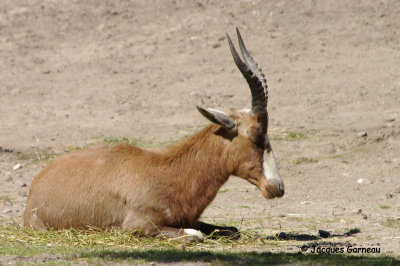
column 197, row 168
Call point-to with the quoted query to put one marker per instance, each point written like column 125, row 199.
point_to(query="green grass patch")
column 118, row 246
column 112, row 141
column 236, row 258
column 384, row 207
column 309, row 222
column 36, row 156
column 7, row 199
column 391, row 222
column 302, row 160
column 341, row 155
column 307, row 219
column 224, row 190
column 285, row 135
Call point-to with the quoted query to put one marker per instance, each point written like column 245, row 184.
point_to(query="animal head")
column 250, row 154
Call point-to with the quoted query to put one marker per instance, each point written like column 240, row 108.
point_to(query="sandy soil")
column 73, row 71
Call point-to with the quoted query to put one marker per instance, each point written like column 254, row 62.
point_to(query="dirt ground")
column 74, row 71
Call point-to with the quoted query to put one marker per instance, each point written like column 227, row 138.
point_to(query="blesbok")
column 165, row 191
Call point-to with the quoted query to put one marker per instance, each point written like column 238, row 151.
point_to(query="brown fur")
column 137, row 189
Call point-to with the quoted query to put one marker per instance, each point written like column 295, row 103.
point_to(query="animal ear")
column 218, row 117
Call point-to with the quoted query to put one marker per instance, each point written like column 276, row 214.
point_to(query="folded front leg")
column 218, row 231
column 134, row 222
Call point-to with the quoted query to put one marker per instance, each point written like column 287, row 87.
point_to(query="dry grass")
column 115, row 246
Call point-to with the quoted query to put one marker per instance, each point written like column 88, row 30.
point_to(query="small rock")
column 357, row 211
column 389, row 195
column 216, row 45
column 17, row 166
column 8, row 150
column 363, row 180
column 305, row 202
column 365, row 216
column 396, row 190
column 9, row 177
column 20, row 183
column 22, row 194
column 362, row 134
column 7, row 211
column 324, row 234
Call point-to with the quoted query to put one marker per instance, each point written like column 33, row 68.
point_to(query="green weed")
column 391, row 222
column 302, row 160
column 112, row 141
column 7, row 199
column 36, row 156
column 285, row 135
column 341, row 155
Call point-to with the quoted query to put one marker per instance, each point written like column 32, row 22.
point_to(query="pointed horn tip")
column 229, row 40
column 200, row 109
column 238, row 33
column 239, row 36
column 227, row 36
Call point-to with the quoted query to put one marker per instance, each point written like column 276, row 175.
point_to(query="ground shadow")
column 307, row 237
column 236, row 258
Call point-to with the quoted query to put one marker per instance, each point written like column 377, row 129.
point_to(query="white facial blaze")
column 271, row 171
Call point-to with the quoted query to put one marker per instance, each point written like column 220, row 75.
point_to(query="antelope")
column 162, row 192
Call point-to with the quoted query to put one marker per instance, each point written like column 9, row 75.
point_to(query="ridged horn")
column 253, row 75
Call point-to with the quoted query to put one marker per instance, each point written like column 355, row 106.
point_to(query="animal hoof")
column 192, row 235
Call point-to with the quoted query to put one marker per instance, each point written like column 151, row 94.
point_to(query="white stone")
column 364, row 180
column 17, row 166
column 9, row 177
column 362, row 134
column 5, row 211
